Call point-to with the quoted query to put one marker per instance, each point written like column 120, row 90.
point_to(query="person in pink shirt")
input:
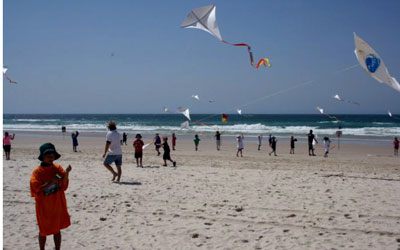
column 7, row 144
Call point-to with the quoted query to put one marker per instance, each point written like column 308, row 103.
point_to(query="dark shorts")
column 7, row 148
column 166, row 156
column 113, row 158
column 138, row 155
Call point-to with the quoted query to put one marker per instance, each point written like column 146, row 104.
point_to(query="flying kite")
column 390, row 113
column 6, row 76
column 196, row 97
column 373, row 64
column 239, row 111
column 337, row 97
column 166, row 110
column 321, row 110
column 224, row 118
column 185, row 125
column 185, row 112
column 204, row 18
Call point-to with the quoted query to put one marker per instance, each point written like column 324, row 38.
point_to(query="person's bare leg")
column 42, row 242
column 137, row 162
column 119, row 170
column 57, row 240
column 140, row 160
column 165, row 163
column 111, row 170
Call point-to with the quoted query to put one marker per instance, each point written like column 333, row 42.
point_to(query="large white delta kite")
column 373, row 64
column 185, row 112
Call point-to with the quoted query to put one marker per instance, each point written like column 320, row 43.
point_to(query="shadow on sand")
column 134, row 183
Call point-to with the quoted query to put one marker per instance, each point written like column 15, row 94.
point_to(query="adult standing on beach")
column 74, row 137
column 113, row 151
column 396, row 146
column 218, row 139
column 7, row 144
column 311, row 139
column 240, row 145
column 173, row 141
column 273, row 145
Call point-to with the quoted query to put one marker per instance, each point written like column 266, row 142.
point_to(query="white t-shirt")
column 240, row 143
column 115, row 138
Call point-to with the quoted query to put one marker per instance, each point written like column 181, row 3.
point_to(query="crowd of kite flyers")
column 49, row 180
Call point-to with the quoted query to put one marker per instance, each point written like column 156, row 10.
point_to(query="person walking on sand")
column 396, row 146
column 327, row 144
column 311, row 139
column 218, row 139
column 113, row 151
column 173, row 141
column 74, row 137
column 138, row 146
column 47, row 186
column 196, row 141
column 7, row 144
column 240, row 145
column 157, row 143
column 259, row 142
column 273, row 145
column 292, row 144
column 167, row 152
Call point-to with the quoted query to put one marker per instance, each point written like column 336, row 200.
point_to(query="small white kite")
column 6, row 76
column 321, row 110
column 373, row 64
column 166, row 110
column 239, row 111
column 196, row 97
column 389, row 113
column 337, row 97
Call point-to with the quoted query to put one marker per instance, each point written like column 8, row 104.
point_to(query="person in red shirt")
column 48, row 184
column 396, row 146
column 138, row 146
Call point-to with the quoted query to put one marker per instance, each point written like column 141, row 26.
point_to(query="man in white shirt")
column 113, row 150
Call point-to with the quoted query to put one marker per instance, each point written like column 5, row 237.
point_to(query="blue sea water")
column 252, row 124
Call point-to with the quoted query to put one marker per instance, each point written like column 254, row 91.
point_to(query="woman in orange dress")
column 48, row 183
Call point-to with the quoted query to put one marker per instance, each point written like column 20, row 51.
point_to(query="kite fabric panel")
column 373, row 64
column 204, row 18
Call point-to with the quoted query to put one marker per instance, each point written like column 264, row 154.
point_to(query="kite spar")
column 204, row 18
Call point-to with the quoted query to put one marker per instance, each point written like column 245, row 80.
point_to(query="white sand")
column 213, row 200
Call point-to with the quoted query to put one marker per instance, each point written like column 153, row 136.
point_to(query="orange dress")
column 51, row 210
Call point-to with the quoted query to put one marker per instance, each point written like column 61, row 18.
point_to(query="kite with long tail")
column 204, row 18
column 6, row 76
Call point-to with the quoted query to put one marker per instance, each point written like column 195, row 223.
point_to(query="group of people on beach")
column 49, row 180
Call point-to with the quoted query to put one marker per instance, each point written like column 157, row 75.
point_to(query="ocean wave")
column 36, row 120
column 251, row 129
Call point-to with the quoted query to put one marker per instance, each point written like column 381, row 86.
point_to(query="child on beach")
column 218, row 139
column 292, row 142
column 173, row 141
column 196, row 141
column 124, row 138
column 396, row 146
column 74, row 137
column 47, row 185
column 259, row 141
column 7, row 144
column 240, row 145
column 138, row 146
column 167, row 153
column 311, row 141
column 327, row 144
column 157, row 143
column 273, row 145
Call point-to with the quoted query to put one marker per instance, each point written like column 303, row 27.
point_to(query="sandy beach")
column 213, row 200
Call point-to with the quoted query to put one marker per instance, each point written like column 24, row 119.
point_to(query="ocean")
column 249, row 124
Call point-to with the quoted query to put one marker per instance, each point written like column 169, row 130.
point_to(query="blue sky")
column 60, row 52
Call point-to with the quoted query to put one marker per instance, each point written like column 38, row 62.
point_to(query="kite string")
column 284, row 90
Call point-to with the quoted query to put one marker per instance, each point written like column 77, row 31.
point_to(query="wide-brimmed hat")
column 48, row 148
column 138, row 136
